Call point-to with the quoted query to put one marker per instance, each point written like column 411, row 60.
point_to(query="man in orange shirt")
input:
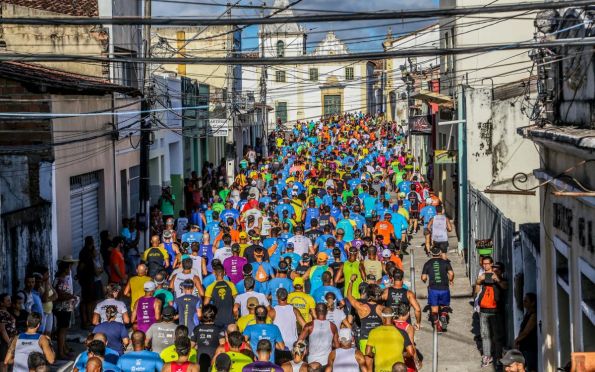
column 385, row 229
column 117, row 272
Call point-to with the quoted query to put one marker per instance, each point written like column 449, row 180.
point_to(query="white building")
column 308, row 91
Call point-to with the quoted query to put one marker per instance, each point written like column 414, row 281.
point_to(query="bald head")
column 94, row 364
column 155, row 240
column 141, row 270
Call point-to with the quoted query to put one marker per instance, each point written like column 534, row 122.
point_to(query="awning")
column 433, row 97
column 420, row 125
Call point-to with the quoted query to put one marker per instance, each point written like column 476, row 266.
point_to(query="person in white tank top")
column 322, row 335
column 297, row 364
column 285, row 316
column 439, row 227
column 28, row 342
column 346, row 358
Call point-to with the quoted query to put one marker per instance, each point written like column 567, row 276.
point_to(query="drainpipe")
column 462, row 170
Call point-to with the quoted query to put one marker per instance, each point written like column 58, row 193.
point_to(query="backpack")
column 488, row 298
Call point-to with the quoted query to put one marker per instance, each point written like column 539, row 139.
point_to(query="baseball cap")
column 149, row 286
column 298, row 281
column 386, row 253
column 252, row 302
column 345, row 335
column 512, row 356
column 321, row 256
column 243, row 235
column 169, row 312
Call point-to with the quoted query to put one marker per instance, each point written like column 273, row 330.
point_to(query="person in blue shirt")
column 213, row 227
column 229, row 212
column 210, row 279
column 194, row 235
column 360, row 221
column 289, row 253
column 399, row 223
column 347, row 225
column 139, row 359
column 311, row 212
column 369, row 203
column 111, row 355
column 97, row 348
column 205, row 251
column 285, row 206
column 279, row 281
column 404, row 186
column 320, row 292
column 114, row 331
column 263, row 331
column 241, row 287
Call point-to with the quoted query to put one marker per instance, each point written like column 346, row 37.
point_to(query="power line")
column 415, row 52
column 311, row 18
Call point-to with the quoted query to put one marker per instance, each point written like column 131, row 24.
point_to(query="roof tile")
column 78, row 8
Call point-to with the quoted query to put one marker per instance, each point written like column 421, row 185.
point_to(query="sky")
column 359, row 36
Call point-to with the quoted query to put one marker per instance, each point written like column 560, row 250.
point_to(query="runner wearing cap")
column 301, row 300
column 513, row 361
column 147, row 309
column 346, row 358
column 161, row 334
column 188, row 305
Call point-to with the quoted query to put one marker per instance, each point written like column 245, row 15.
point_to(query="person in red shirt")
column 385, row 229
column 117, row 272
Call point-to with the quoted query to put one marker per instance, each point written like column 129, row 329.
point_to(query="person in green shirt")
column 352, row 267
column 166, row 202
column 162, row 292
column 387, row 344
column 169, row 354
column 224, row 193
column 218, row 206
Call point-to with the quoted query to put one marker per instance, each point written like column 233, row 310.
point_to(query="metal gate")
column 488, row 222
column 84, row 209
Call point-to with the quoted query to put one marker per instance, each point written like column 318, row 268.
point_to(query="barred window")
column 348, row 73
column 280, row 76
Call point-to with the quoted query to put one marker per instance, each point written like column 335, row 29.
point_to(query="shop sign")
column 580, row 228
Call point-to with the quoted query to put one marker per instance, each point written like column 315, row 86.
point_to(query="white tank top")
column 439, row 232
column 197, row 265
column 295, row 367
column 345, row 360
column 26, row 344
column 321, row 342
column 286, row 321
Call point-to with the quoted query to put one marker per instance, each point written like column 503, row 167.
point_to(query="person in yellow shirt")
column 238, row 359
column 301, row 300
column 249, row 318
column 169, row 354
column 135, row 287
column 386, row 344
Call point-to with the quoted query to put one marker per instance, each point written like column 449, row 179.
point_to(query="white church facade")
column 311, row 91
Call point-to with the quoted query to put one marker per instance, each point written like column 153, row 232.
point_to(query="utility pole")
column 462, row 170
column 230, row 150
column 145, row 136
column 263, row 92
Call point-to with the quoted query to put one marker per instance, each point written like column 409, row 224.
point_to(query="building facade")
column 564, row 132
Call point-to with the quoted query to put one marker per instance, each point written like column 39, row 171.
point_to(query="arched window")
column 280, row 49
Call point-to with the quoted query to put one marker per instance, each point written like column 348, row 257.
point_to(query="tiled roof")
column 79, row 8
column 60, row 81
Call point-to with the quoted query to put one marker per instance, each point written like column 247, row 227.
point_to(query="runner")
column 438, row 273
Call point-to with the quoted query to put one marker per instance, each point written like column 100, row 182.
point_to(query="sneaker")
column 486, row 361
column 443, row 322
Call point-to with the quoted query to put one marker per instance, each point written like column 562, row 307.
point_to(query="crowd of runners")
column 296, row 266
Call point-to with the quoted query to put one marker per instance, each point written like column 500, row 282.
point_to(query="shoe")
column 443, row 321
column 486, row 361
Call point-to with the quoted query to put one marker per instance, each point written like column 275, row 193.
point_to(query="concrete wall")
column 168, row 144
column 82, row 40
column 89, row 156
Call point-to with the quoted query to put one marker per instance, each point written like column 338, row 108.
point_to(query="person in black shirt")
column 438, row 273
column 206, row 336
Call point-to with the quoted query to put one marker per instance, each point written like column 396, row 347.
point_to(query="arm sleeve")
column 209, row 290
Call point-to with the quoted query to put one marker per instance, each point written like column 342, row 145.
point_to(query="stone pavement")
column 457, row 348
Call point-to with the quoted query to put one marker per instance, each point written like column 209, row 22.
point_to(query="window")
column 280, row 49
column 125, row 72
column 280, row 76
column 281, row 111
column 313, row 74
column 348, row 73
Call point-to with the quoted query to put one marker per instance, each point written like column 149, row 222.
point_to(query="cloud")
column 359, row 36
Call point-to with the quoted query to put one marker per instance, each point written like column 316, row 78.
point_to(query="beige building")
column 91, row 179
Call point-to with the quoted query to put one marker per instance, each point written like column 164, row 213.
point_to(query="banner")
column 218, row 127
column 445, row 157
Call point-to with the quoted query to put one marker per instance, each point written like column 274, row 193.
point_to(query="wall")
column 168, row 144
column 82, row 40
column 89, row 156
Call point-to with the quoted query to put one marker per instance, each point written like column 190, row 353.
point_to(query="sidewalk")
column 457, row 349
